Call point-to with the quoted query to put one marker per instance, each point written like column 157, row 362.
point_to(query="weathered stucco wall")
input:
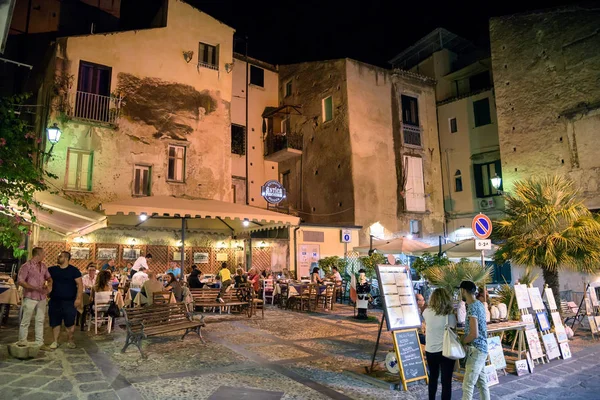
column 166, row 101
column 260, row 170
column 326, row 172
column 546, row 64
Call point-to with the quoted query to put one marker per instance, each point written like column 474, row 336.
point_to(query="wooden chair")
column 161, row 297
column 283, row 296
column 339, row 291
column 267, row 290
column 300, row 302
column 99, row 316
column 312, row 297
column 255, row 303
column 327, row 297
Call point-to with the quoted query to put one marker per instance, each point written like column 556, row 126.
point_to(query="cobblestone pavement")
column 286, row 355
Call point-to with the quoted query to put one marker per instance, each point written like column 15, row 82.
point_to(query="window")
column 141, row 180
column 238, row 134
column 257, row 76
column 415, row 228
column 453, row 125
column 481, row 110
column 92, row 100
column 286, row 125
column 327, row 106
column 234, row 190
column 410, row 110
column 480, row 81
column 458, row 181
column 208, row 56
column 176, row 170
column 483, row 174
column 285, row 181
column 414, row 189
column 79, row 170
column 288, row 89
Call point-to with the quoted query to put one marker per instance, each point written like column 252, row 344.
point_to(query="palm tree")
column 548, row 226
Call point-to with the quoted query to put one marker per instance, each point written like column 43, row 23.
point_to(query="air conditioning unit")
column 487, row 204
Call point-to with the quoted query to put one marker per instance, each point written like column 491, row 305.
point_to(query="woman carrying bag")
column 436, row 317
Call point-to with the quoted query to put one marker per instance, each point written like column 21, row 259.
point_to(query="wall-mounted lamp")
column 261, row 245
column 496, row 183
column 143, row 217
column 229, row 66
column 53, row 133
column 179, row 243
column 79, row 239
column 132, row 242
column 246, row 223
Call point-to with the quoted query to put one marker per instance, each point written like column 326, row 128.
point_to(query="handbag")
column 452, row 348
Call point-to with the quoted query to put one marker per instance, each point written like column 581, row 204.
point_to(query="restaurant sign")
column 273, row 192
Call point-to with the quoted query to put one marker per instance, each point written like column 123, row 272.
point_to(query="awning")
column 461, row 249
column 286, row 109
column 394, row 246
column 63, row 216
column 166, row 212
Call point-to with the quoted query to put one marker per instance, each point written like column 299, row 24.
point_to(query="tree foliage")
column 450, row 276
column 547, row 225
column 428, row 260
column 326, row 264
column 20, row 175
column 369, row 263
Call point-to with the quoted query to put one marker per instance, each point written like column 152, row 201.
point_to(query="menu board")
column 522, row 296
column 400, row 304
column 408, row 351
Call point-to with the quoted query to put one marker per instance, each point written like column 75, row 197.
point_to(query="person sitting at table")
column 151, row 286
column 335, row 275
column 174, row 286
column 194, row 280
column 138, row 279
column 174, row 269
column 254, row 279
column 127, row 268
column 314, row 276
column 89, row 279
column 110, row 265
column 240, row 278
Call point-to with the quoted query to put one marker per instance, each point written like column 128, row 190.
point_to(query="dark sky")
column 373, row 31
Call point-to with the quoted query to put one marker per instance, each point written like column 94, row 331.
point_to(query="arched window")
column 458, row 181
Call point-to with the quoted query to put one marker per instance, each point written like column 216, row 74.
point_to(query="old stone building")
column 546, row 74
column 547, row 82
column 370, row 154
column 467, row 123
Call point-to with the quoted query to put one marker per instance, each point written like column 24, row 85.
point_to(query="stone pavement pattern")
column 288, row 355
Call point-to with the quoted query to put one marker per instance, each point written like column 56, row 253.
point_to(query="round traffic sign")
column 482, row 226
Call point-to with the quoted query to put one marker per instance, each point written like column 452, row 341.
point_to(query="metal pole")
column 182, row 247
column 247, row 129
column 377, row 343
column 484, row 285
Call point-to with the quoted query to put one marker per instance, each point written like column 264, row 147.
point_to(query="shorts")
column 60, row 311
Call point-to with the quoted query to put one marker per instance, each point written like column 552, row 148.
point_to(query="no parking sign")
column 482, row 226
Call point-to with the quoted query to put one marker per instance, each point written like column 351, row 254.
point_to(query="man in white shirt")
column 89, row 279
column 140, row 262
column 335, row 274
column 139, row 278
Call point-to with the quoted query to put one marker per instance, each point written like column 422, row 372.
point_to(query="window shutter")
column 478, row 176
column 328, row 109
column 72, row 169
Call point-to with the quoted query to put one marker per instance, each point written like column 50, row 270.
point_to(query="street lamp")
column 496, row 182
column 53, row 133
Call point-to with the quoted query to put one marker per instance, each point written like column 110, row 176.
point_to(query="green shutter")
column 90, row 170
column 328, row 109
column 478, row 176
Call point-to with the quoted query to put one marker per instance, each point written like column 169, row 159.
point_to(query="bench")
column 143, row 322
column 207, row 298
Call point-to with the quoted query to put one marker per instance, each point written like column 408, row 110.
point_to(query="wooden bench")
column 207, row 298
column 143, row 322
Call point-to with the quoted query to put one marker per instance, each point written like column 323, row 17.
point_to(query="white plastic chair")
column 101, row 302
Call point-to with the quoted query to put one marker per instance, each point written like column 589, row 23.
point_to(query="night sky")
column 283, row 32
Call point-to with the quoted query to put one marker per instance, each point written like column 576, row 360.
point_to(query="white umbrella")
column 395, row 246
column 461, row 249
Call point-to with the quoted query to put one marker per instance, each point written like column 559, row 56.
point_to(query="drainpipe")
column 247, row 133
column 296, row 252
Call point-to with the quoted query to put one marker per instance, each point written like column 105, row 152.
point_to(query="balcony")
column 280, row 147
column 412, row 135
column 92, row 107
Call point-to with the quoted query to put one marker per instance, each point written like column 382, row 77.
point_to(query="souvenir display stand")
column 591, row 310
column 559, row 329
column 576, row 319
column 401, row 314
column 533, row 340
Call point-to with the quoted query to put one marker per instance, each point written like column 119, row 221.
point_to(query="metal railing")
column 207, row 65
column 276, row 142
column 94, row 107
column 412, row 135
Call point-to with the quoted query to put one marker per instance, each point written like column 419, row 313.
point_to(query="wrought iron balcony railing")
column 94, row 107
column 412, row 135
column 282, row 141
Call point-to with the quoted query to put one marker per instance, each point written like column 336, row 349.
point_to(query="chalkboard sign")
column 408, row 350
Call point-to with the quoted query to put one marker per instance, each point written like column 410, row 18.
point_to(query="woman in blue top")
column 475, row 340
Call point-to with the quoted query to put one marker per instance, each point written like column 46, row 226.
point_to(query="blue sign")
column 482, row 226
